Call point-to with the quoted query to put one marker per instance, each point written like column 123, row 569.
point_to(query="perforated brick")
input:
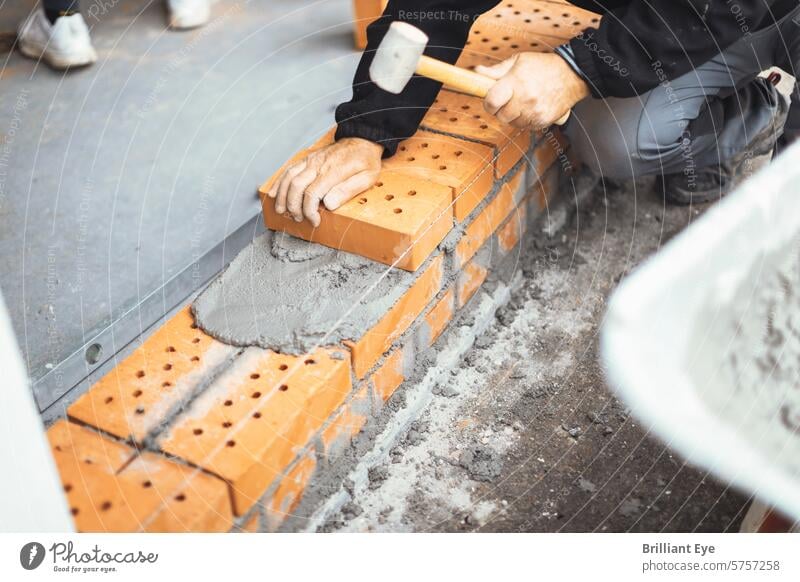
column 488, row 45
column 463, row 115
column 250, row 423
column 465, row 167
column 401, row 219
column 375, row 342
column 138, row 394
column 176, row 498
column 546, row 18
column 68, row 440
column 111, row 489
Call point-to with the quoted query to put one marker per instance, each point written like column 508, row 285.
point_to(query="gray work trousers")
column 699, row 119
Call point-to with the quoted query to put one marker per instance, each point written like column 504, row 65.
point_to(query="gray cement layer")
column 289, row 295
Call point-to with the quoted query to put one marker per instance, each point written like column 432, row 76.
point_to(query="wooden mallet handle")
column 468, row 82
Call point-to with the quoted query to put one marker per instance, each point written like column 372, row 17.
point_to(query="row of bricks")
column 519, row 22
column 395, row 367
column 433, row 183
column 247, row 424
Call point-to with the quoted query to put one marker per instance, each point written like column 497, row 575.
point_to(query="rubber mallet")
column 399, row 57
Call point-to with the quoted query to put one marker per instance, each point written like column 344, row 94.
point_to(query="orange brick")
column 470, row 279
column 463, row 115
column 138, row 393
column 177, row 498
column 150, row 493
column 465, row 167
column 250, row 423
column 390, row 375
column 376, row 341
column 508, row 235
column 488, row 44
column 401, row 218
column 437, row 318
column 68, row 440
column 536, row 17
column 289, row 491
column 487, row 221
column 364, row 12
column 347, row 422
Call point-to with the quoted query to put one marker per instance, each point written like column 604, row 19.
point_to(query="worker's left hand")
column 533, row 90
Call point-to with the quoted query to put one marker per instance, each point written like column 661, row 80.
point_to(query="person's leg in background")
column 700, row 131
column 56, row 33
column 787, row 57
column 185, row 14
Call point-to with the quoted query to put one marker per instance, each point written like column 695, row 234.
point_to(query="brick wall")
column 190, row 434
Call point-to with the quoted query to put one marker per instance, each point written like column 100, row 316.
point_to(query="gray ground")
column 115, row 177
column 526, row 436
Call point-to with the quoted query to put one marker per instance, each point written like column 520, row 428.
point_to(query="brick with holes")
column 110, row 488
column 250, row 423
column 137, row 395
column 399, row 220
column 488, row 45
column 463, row 115
column 536, row 17
column 465, row 167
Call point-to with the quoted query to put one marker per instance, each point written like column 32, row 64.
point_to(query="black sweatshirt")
column 636, row 45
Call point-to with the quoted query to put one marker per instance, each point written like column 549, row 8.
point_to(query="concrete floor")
column 526, row 435
column 115, row 177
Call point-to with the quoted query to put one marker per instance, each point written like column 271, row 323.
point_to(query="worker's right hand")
column 332, row 175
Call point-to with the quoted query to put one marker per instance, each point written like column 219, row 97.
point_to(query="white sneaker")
column 63, row 44
column 188, row 13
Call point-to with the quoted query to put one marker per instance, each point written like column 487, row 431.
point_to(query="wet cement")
column 290, row 295
column 749, row 357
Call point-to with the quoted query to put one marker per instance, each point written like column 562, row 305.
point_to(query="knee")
column 617, row 138
column 604, row 148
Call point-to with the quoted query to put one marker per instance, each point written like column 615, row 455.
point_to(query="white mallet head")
column 397, row 56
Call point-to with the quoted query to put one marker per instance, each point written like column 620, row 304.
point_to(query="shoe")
column 184, row 14
column 714, row 182
column 62, row 44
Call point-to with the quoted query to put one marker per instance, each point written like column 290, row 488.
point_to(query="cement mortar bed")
column 290, row 296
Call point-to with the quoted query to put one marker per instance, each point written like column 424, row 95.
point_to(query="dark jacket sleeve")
column 641, row 44
column 383, row 117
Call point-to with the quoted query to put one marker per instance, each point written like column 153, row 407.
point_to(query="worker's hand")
column 332, row 175
column 533, row 90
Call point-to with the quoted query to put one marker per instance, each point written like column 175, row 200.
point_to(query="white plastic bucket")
column 671, row 348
